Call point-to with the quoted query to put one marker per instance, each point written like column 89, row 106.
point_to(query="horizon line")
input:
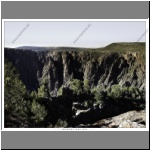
column 71, row 46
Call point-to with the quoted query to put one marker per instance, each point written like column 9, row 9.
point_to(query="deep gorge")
column 101, row 67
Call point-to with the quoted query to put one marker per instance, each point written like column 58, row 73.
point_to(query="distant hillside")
column 123, row 46
column 116, row 47
column 35, row 48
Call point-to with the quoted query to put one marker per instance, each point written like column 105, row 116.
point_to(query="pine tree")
column 43, row 90
column 15, row 95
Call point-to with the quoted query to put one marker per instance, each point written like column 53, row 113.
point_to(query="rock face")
column 59, row 67
column 131, row 119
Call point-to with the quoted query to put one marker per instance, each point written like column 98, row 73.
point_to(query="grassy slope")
column 122, row 47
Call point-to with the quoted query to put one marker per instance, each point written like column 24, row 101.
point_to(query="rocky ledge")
column 131, row 119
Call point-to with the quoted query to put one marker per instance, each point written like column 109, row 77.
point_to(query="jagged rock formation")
column 103, row 67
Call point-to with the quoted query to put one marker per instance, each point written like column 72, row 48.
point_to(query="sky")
column 72, row 34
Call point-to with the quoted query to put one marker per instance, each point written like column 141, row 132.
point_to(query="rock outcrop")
column 131, row 119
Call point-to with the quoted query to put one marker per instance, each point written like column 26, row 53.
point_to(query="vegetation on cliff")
column 39, row 109
column 68, row 88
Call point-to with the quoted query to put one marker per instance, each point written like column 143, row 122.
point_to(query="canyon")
column 120, row 64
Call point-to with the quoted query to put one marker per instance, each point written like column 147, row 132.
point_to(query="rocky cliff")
column 131, row 119
column 114, row 64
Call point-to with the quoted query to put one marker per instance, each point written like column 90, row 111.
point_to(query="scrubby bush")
column 77, row 86
column 100, row 96
column 33, row 94
column 39, row 112
column 43, row 90
column 61, row 124
column 59, row 93
column 86, row 86
column 116, row 92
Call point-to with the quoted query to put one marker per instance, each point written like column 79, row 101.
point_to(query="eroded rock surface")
column 101, row 67
column 131, row 119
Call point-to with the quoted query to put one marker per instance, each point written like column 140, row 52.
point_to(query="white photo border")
column 79, row 129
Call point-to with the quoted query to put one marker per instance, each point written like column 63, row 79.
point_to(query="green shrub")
column 61, row 124
column 77, row 86
column 116, row 91
column 97, row 89
column 33, row 95
column 86, row 86
column 59, row 93
column 100, row 96
column 43, row 90
column 39, row 111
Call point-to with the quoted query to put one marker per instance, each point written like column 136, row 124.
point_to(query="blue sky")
column 71, row 34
